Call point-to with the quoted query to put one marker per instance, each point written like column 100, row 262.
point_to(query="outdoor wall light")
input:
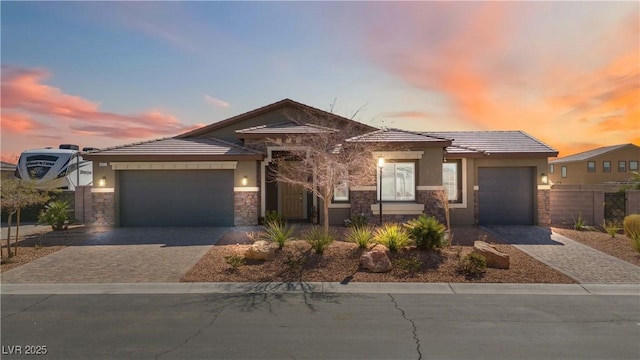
column 544, row 178
column 245, row 181
column 380, row 166
column 103, row 181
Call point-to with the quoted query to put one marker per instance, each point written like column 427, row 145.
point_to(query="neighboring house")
column 219, row 175
column 605, row 165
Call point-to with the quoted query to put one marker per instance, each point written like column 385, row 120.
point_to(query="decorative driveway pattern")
column 124, row 255
column 583, row 263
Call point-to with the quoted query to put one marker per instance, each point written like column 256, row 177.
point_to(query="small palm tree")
column 56, row 214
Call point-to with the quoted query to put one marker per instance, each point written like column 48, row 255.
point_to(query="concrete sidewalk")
column 322, row 287
column 582, row 263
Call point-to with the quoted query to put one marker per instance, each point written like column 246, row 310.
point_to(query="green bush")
column 278, row 232
column 427, row 232
column 631, row 226
column 393, row 236
column 361, row 235
column 611, row 228
column 319, row 239
column 273, row 216
column 56, row 214
column 235, row 260
column 472, row 266
column 581, row 225
column 356, row 221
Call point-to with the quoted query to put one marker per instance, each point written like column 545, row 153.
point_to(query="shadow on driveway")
column 522, row 234
column 167, row 237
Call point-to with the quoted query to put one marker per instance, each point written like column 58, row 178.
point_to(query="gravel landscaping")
column 340, row 263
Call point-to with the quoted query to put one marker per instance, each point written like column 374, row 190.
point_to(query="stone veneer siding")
column 103, row 212
column 432, row 204
column 476, row 207
column 246, row 204
column 544, row 207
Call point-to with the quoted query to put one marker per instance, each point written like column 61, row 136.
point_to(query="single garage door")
column 176, row 198
column 505, row 196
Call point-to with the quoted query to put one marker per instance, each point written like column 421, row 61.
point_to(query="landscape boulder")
column 261, row 250
column 376, row 260
column 495, row 258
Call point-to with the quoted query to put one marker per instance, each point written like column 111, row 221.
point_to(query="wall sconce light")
column 103, row 181
column 245, row 181
column 544, row 178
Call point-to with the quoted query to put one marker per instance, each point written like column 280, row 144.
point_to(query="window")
column 398, row 182
column 606, row 166
column 622, row 166
column 563, row 171
column 633, row 165
column 452, row 180
column 591, row 166
column 551, row 168
column 341, row 192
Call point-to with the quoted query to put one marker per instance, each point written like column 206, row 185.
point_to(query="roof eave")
column 167, row 157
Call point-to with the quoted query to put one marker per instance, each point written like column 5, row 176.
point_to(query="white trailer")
column 61, row 168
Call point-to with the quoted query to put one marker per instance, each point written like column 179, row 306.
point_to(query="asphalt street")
column 303, row 325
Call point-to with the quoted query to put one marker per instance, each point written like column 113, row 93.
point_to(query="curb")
column 321, row 287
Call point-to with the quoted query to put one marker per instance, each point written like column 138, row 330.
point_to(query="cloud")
column 24, row 96
column 518, row 65
column 216, row 102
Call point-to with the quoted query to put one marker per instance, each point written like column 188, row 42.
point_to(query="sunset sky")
column 103, row 74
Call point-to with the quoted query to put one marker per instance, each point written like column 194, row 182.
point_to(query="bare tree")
column 15, row 195
column 322, row 160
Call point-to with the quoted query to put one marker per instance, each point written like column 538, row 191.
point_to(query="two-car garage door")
column 506, row 196
column 176, row 198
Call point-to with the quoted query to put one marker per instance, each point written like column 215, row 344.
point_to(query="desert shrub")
column 273, row 216
column 56, row 214
column 611, row 228
column 472, row 265
column 356, row 221
column 319, row 239
column 278, row 232
column 426, row 231
column 393, row 236
column 580, row 224
column 361, row 235
column 631, row 226
column 410, row 265
column 235, row 260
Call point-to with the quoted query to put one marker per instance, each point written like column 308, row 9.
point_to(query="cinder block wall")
column 567, row 205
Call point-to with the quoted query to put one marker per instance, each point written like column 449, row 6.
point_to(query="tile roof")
column 493, row 142
column 391, row 135
column 586, row 155
column 264, row 109
column 289, row 127
column 174, row 146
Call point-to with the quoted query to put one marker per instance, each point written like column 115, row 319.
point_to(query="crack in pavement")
column 413, row 326
column 195, row 334
column 28, row 307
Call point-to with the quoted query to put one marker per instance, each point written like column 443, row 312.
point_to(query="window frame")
column 345, row 184
column 635, row 163
column 622, row 166
column 551, row 168
column 563, row 171
column 458, row 181
column 604, row 167
column 395, row 165
column 591, row 166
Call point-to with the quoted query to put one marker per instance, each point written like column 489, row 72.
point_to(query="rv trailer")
column 61, row 168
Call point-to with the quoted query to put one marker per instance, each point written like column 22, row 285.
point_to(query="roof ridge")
column 537, row 140
column 132, row 144
column 224, row 142
column 609, row 148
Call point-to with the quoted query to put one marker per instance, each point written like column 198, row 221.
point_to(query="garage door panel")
column 176, row 198
column 505, row 196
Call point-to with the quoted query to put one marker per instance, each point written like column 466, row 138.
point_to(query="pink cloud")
column 216, row 102
column 25, row 96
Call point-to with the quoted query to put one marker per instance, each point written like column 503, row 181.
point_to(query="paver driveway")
column 123, row 255
column 583, row 263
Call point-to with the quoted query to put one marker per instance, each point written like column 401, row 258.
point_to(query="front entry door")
column 292, row 201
